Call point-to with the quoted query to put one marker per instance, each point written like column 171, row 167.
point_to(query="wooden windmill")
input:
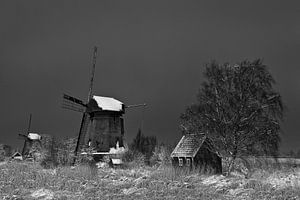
column 102, row 124
column 29, row 139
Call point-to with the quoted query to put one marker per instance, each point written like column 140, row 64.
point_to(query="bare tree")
column 238, row 110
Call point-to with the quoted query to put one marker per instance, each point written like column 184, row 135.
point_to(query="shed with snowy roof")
column 17, row 156
column 194, row 151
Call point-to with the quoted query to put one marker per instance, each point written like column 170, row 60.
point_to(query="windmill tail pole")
column 92, row 74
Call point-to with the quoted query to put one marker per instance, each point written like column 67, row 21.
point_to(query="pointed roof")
column 189, row 145
column 16, row 154
column 108, row 103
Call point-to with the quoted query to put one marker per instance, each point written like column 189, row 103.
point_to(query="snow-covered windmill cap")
column 108, row 103
column 34, row 136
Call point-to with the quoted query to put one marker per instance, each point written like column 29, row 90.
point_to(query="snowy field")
column 30, row 181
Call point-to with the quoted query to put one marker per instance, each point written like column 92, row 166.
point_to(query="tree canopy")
column 238, row 109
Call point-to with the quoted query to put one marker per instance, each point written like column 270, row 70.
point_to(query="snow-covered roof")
column 34, row 136
column 17, row 155
column 108, row 103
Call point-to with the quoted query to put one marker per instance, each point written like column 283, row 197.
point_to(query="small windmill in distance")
column 29, row 138
column 102, row 124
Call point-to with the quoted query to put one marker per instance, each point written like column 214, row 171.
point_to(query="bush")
column 128, row 156
column 161, row 156
column 65, row 151
column 134, row 158
column 63, row 157
column 88, row 158
column 144, row 144
column 139, row 159
column 240, row 165
column 2, row 157
column 48, row 163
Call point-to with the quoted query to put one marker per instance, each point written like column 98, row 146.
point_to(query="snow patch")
column 282, row 181
column 117, row 150
column 43, row 194
column 217, row 181
column 133, row 190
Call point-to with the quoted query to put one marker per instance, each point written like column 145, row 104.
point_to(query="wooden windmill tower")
column 102, row 124
column 30, row 140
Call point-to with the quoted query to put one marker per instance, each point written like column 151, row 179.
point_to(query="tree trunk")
column 231, row 164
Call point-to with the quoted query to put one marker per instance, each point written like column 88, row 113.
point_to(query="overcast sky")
column 149, row 51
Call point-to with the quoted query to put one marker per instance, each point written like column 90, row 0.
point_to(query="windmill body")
column 105, row 124
column 30, row 140
column 102, row 125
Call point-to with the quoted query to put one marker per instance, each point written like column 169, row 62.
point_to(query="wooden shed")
column 195, row 151
column 17, row 156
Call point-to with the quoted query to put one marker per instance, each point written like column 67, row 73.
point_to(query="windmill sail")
column 73, row 103
column 82, row 132
column 25, row 137
column 86, row 118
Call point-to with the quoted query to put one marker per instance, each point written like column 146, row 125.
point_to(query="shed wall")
column 208, row 160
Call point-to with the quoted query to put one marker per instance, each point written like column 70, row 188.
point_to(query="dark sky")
column 149, row 51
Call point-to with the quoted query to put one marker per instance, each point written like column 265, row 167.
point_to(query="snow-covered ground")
column 30, row 181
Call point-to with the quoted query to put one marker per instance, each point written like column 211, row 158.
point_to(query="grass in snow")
column 21, row 180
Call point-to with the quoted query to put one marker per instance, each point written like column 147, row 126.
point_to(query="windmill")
column 102, row 124
column 29, row 139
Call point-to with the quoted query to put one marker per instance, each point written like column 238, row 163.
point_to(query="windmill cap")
column 108, row 103
column 34, row 136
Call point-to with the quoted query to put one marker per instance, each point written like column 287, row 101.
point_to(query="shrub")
column 2, row 157
column 65, row 151
column 86, row 158
column 144, row 144
column 161, row 156
column 128, row 156
column 241, row 166
column 134, row 158
column 63, row 157
column 48, row 162
column 139, row 159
